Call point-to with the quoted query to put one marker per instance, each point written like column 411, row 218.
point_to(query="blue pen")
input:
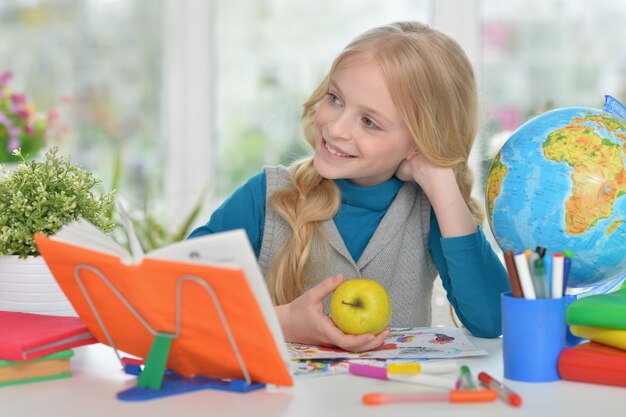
column 567, row 264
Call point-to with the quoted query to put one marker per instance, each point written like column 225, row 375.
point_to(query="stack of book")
column 53, row 366
column 602, row 320
column 37, row 347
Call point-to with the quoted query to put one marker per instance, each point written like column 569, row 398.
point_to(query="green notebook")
column 601, row 310
column 53, row 366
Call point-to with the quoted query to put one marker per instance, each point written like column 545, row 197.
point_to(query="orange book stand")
column 194, row 323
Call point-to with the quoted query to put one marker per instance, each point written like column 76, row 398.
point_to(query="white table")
column 97, row 377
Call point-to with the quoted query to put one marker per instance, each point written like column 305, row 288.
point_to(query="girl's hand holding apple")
column 360, row 306
column 303, row 321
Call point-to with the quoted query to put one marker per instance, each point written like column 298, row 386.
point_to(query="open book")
column 125, row 299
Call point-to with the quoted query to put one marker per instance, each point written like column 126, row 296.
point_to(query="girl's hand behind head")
column 405, row 169
column 427, row 175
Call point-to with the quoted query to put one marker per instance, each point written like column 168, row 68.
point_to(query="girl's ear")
column 412, row 153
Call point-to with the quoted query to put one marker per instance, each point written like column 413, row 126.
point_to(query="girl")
column 386, row 194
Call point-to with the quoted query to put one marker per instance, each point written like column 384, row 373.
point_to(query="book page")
column 136, row 250
column 84, row 234
column 228, row 248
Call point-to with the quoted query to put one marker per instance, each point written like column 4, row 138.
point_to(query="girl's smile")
column 335, row 151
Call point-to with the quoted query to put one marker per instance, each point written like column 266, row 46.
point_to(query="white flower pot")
column 26, row 285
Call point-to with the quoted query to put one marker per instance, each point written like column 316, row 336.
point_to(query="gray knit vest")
column 396, row 256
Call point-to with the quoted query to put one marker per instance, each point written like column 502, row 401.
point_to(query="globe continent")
column 560, row 182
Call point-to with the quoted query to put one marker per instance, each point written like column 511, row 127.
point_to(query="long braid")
column 312, row 200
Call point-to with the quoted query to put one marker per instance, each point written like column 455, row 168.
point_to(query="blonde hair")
column 433, row 88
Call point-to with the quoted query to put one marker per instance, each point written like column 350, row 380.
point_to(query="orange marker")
column 454, row 396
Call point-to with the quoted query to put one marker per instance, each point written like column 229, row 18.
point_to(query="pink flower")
column 6, row 121
column 23, row 114
column 19, row 99
column 5, row 77
column 53, row 115
column 14, row 133
column 13, row 144
column 20, row 124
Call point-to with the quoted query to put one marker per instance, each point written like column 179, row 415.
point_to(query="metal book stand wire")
column 155, row 380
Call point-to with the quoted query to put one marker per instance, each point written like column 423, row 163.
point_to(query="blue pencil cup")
column 534, row 334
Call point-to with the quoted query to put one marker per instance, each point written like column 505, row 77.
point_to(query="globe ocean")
column 560, row 182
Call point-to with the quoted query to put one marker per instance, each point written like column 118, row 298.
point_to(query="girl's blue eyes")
column 333, row 98
column 369, row 123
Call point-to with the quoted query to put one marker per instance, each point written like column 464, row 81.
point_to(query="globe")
column 559, row 182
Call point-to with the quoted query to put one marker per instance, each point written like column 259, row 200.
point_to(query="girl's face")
column 360, row 135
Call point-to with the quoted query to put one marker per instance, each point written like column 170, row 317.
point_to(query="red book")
column 28, row 336
column 594, row 363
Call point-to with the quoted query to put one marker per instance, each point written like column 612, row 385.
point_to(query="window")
column 539, row 55
column 271, row 54
column 187, row 93
column 98, row 61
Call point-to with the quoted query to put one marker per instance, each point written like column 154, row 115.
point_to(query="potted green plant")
column 41, row 197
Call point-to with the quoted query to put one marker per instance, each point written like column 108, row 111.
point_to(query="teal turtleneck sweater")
column 471, row 273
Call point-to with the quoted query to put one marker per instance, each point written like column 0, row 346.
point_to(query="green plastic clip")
column 152, row 375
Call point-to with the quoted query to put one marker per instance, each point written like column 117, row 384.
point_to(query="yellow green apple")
column 360, row 305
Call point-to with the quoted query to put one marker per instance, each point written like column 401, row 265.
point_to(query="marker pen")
column 521, row 264
column 466, row 381
column 413, row 368
column 541, row 282
column 567, row 266
column 557, row 275
column 503, row 392
column 378, row 372
column 454, row 396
